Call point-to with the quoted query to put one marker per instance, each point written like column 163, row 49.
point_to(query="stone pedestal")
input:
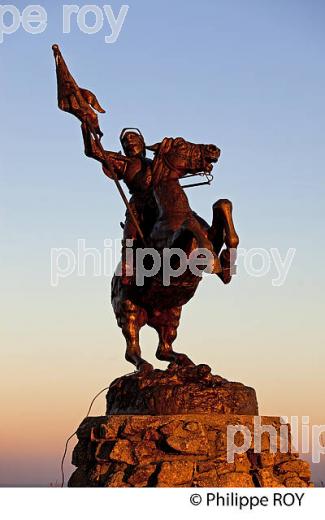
column 187, row 450
column 179, row 390
column 177, row 428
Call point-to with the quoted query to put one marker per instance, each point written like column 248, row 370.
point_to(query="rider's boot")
column 127, row 279
column 213, row 264
column 127, row 263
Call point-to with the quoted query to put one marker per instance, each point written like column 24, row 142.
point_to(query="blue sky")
column 248, row 76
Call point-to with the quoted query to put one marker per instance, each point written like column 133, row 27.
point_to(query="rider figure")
column 150, row 198
column 135, row 169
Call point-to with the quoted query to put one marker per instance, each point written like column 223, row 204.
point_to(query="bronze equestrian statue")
column 158, row 216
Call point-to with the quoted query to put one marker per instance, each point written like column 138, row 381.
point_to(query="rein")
column 194, row 163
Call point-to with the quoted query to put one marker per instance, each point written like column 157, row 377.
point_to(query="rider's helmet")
column 133, row 142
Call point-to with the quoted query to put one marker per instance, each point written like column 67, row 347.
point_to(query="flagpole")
column 62, row 70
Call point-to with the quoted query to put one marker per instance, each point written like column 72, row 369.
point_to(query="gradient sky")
column 248, row 76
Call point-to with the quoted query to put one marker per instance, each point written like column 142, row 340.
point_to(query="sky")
column 246, row 75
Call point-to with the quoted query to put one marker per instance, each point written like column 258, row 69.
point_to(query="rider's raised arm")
column 116, row 161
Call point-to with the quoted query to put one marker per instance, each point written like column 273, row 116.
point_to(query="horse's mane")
column 176, row 155
column 161, row 166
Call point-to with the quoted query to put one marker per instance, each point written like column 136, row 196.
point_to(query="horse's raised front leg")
column 166, row 324
column 131, row 320
column 197, row 228
column 223, row 232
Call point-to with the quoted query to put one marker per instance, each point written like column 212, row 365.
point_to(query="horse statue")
column 176, row 226
column 158, row 216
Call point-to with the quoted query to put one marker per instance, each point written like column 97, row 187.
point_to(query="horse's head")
column 211, row 154
column 186, row 157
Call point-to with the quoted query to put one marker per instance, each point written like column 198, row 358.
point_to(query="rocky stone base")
column 179, row 390
column 182, row 451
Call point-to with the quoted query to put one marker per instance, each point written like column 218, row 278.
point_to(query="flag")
column 71, row 98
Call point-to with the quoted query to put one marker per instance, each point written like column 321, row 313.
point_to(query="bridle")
column 194, row 159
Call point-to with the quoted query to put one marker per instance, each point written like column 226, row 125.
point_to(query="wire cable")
column 74, row 433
